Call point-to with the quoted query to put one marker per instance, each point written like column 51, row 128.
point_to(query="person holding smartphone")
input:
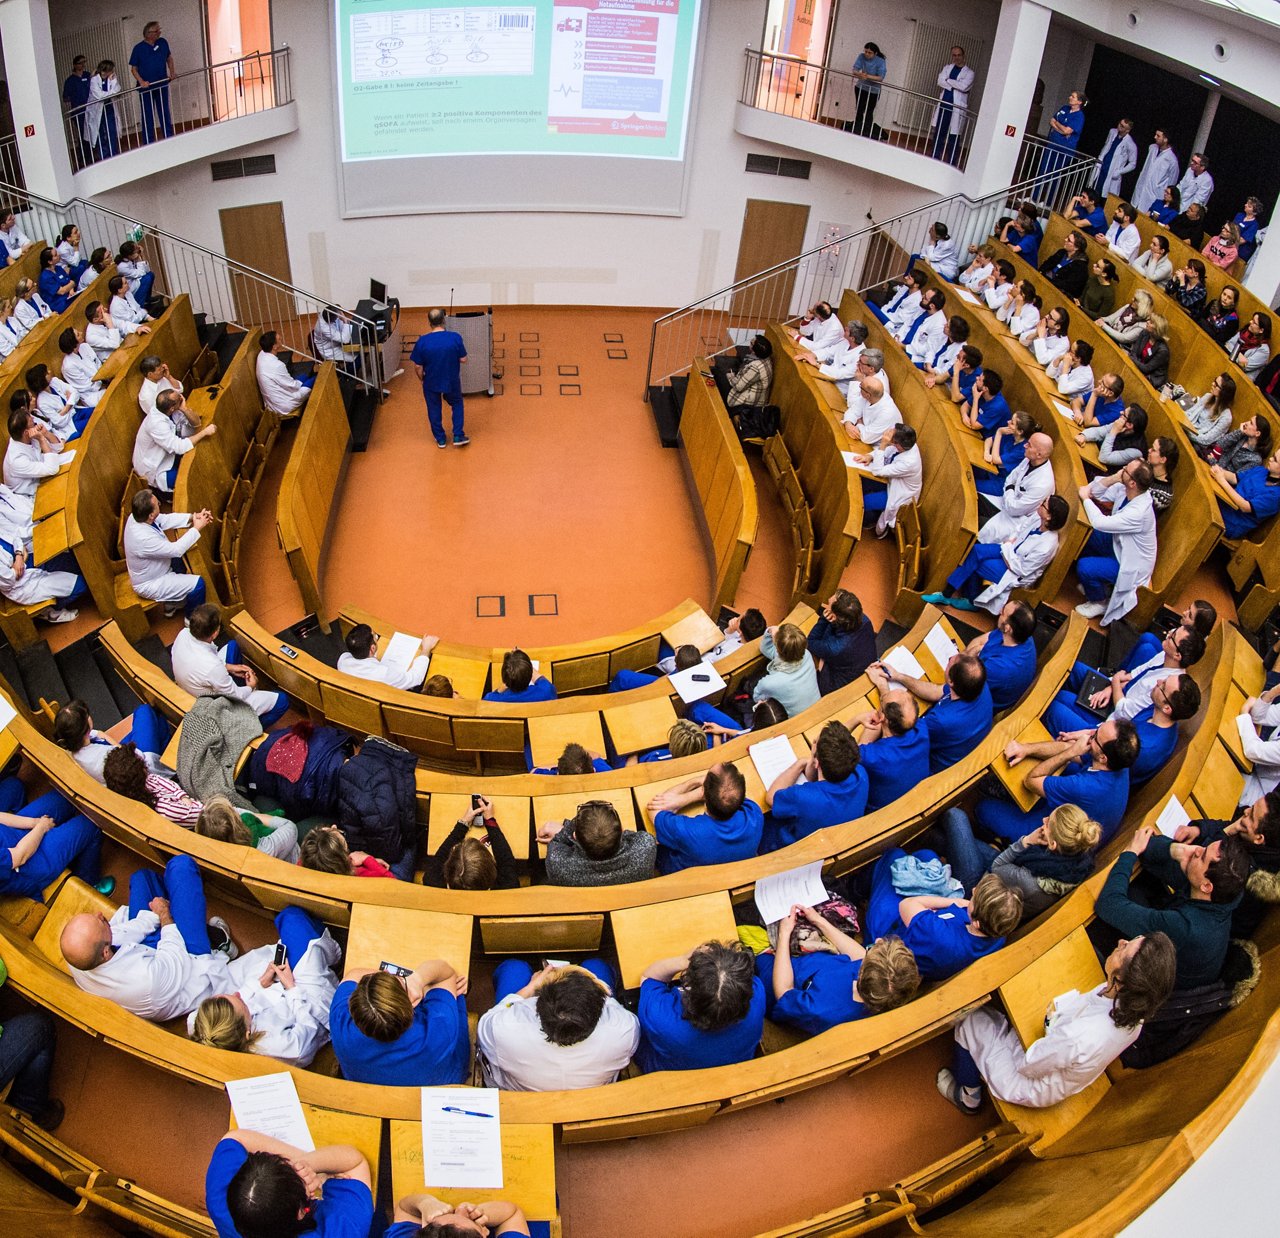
column 465, row 863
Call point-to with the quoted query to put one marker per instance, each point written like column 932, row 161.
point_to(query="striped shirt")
column 172, row 801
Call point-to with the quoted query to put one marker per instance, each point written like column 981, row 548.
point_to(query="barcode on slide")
column 507, row 21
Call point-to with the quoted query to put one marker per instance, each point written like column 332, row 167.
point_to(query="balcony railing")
column 858, row 260
column 140, row 115
column 904, row 118
column 221, row 289
column 10, row 163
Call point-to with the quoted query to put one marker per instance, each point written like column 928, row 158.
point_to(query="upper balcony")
column 128, row 135
column 829, row 113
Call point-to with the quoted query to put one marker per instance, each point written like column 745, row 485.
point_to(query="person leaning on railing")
column 868, row 72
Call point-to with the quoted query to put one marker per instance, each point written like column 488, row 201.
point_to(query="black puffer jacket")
column 377, row 798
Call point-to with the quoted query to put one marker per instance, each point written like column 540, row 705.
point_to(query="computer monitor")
column 377, row 292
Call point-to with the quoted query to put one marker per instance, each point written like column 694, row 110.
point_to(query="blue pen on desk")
column 466, row 1113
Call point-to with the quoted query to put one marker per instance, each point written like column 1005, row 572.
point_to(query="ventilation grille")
column 771, row 165
column 233, row 169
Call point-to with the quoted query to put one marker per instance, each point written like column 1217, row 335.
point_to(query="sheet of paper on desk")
column 965, row 295
column 461, row 1138
column 771, row 757
column 1064, row 409
column 777, row 893
column 938, row 643
column 269, row 1105
column 853, row 463
column 401, row 650
column 7, row 712
column 1172, row 815
column 902, row 660
column 697, row 682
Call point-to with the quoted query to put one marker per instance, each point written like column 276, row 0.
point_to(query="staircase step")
column 361, row 404
column 889, row 635
column 155, row 651
column 665, row 415
column 41, row 675
column 121, row 693
column 12, row 675
column 226, row 348
column 84, row 680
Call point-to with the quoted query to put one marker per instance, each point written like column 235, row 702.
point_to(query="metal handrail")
column 830, row 267
column 267, row 75
column 205, row 274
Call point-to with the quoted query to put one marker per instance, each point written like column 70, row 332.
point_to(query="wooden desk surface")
column 695, row 629
column 561, row 807
column 51, row 494
column 974, row 448
column 132, row 347
column 1013, row 777
column 51, row 537
column 549, row 735
column 1071, row 964
column 639, row 725
column 362, row 1132
column 510, row 811
column 755, row 789
column 469, row 676
column 1224, row 495
column 1228, row 731
column 862, row 705
column 407, row 936
column 528, row 1169
column 662, row 930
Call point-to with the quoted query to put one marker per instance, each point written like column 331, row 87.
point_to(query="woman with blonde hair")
column 1150, row 351
column 9, row 337
column 1223, row 250
column 284, row 1014
column 1126, row 324
column 222, row 820
column 686, row 738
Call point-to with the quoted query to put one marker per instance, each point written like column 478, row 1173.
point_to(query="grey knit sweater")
column 569, row 865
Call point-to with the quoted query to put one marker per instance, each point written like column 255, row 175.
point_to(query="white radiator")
column 105, row 41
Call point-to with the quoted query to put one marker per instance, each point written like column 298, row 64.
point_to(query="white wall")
column 507, row 258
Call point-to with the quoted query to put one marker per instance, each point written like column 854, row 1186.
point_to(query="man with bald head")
column 1014, row 510
column 872, row 411
column 155, row 957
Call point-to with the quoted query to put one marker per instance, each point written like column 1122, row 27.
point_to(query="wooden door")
column 772, row 232
column 254, row 236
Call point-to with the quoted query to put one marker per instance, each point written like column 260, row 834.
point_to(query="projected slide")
column 587, row 77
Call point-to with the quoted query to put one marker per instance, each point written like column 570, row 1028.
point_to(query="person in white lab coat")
column 1259, row 724
column 1119, row 155
column 1158, row 170
column 1073, row 369
column 79, row 365
column 157, row 445
column 1084, row 1034
column 281, row 392
column 819, row 328
column 124, row 305
column 57, row 404
column 149, row 555
column 896, row 460
column 942, row 253
column 284, row 1013
column 156, row 957
column 1027, row 485
column 155, row 379
column 202, row 669
column 955, row 80
column 361, row 659
column 27, row 585
column 839, row 361
column 1120, row 554
column 32, row 455
column 925, row 336
column 30, row 306
column 16, row 243
column 871, row 411
column 103, row 333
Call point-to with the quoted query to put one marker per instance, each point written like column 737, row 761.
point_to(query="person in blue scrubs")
column 1006, row 449
column 894, row 751
column 43, row 840
column 519, row 687
column 253, row 1183
column 729, row 830
column 1064, row 136
column 1257, row 492
column 1174, row 699
column 705, row 1009
column 75, row 96
column 402, row 1031
column 1089, row 769
column 575, row 759
column 962, row 716
column 425, row 1214
column 944, row 934
column 813, row 992
column 986, row 409
column 686, row 658
column 1009, row 654
column 55, row 283
column 834, row 790
column 437, row 358
column 151, row 63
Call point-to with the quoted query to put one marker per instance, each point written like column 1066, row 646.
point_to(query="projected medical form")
column 453, row 42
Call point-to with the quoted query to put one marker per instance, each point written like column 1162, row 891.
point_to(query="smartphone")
column 700, row 678
column 288, row 652
column 475, row 802
column 555, row 962
column 395, row 969
column 281, row 955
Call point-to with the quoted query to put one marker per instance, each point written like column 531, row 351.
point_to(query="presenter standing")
column 437, row 358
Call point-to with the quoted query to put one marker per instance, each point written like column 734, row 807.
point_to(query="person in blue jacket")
column 520, row 686
column 961, row 719
column 259, row 1185
column 813, row 992
column 843, row 641
column 834, row 790
column 703, row 1009
column 944, row 934
column 894, row 751
column 729, row 830
column 986, row 409
column 402, row 1031
column 1087, row 768
column 1257, row 493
